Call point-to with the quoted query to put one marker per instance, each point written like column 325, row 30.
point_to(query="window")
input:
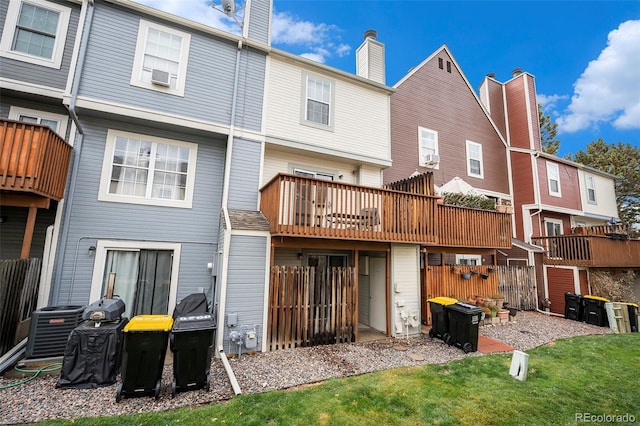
column 318, row 102
column 553, row 227
column 591, row 188
column 57, row 122
column 474, row 160
column 146, row 275
column 160, row 61
column 144, row 169
column 35, row 31
column 553, row 175
column 468, row 259
column 427, row 147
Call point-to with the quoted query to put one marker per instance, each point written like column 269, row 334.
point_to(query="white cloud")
column 199, row 11
column 550, row 102
column 609, row 88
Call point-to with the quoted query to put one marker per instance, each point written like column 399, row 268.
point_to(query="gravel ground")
column 39, row 400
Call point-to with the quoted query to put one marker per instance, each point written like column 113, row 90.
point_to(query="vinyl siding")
column 605, row 196
column 244, row 181
column 569, row 186
column 13, row 231
column 405, row 281
column 559, row 281
column 245, row 282
column 209, row 79
column 361, row 125
column 523, row 185
column 260, row 17
column 196, row 228
column 36, row 74
column 438, row 100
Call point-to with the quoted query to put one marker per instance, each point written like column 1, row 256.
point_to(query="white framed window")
column 318, row 96
column 428, row 147
column 160, row 61
column 553, row 227
column 57, row 122
column 468, row 259
column 142, row 169
column 590, row 182
column 35, row 31
column 553, row 178
column 146, row 274
column 475, row 167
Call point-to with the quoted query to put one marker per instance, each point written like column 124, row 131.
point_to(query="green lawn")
column 598, row 375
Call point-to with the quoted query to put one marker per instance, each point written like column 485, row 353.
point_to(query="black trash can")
column 93, row 356
column 192, row 346
column 632, row 310
column 464, row 321
column 573, row 306
column 145, row 346
column 594, row 310
column 439, row 318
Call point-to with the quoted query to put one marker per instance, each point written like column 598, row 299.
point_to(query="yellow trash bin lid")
column 149, row 323
column 590, row 296
column 443, row 300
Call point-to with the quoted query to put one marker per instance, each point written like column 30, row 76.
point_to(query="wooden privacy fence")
column 518, row 284
column 19, row 280
column 309, row 306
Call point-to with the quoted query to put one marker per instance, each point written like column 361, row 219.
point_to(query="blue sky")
column 585, row 55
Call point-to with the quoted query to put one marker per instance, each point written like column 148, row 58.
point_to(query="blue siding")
column 36, row 74
column 246, row 281
column 259, row 20
column 7, row 102
column 196, row 228
column 245, row 169
column 209, row 80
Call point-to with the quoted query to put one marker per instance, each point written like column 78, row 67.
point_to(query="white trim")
column 11, row 22
column 588, row 176
column 101, row 255
column 476, row 257
column 556, row 209
column 34, row 89
column 107, row 164
column 222, row 300
column 436, row 148
column 528, row 106
column 306, row 75
column 267, row 278
column 519, row 259
column 557, row 193
column 76, row 46
column 138, row 60
column 468, row 145
column 506, row 114
column 15, row 113
column 553, row 221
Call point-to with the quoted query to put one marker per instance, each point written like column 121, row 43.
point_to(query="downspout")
column 227, row 222
column 77, row 149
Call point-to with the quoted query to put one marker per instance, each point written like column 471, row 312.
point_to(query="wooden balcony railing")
column 303, row 207
column 591, row 250
column 608, row 230
column 33, row 159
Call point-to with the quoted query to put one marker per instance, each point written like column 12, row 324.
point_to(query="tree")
column 623, row 161
column 548, row 133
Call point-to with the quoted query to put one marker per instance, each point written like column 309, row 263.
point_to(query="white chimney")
column 370, row 58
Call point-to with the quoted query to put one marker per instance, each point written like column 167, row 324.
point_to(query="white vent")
column 431, row 159
column 159, row 77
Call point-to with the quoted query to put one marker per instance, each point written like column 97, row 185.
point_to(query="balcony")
column 590, row 250
column 297, row 206
column 34, row 160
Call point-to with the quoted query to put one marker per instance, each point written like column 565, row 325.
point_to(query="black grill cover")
column 104, row 310
column 93, row 355
column 195, row 303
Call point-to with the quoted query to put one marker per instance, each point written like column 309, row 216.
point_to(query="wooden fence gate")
column 518, row 284
column 309, row 306
column 19, row 279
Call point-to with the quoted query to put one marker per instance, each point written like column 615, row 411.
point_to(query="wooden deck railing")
column 617, row 229
column 33, row 158
column 591, row 250
column 303, row 207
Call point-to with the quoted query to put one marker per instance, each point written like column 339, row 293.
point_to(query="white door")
column 377, row 288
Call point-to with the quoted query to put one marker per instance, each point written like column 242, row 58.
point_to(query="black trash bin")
column 573, row 306
column 439, row 317
column 632, row 309
column 464, row 321
column 594, row 310
column 192, row 346
column 145, row 346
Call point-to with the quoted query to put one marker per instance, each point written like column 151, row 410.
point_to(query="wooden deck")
column 303, row 207
column 590, row 250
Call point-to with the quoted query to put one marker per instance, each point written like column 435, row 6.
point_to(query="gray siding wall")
column 245, row 284
column 37, row 74
column 7, row 102
column 245, row 174
column 259, row 20
column 12, row 231
column 209, row 80
column 196, row 228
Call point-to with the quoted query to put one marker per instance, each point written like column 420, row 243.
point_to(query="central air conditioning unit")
column 431, row 159
column 50, row 328
column 160, row 78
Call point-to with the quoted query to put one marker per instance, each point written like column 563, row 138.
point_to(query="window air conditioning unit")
column 431, row 159
column 160, row 78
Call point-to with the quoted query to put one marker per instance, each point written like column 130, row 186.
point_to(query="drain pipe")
column 77, row 149
column 232, row 376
